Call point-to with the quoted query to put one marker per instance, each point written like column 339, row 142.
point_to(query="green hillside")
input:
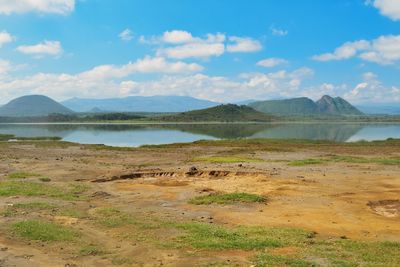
column 301, row 105
column 32, row 106
column 221, row 113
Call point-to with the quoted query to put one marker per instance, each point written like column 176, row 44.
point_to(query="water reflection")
column 136, row 135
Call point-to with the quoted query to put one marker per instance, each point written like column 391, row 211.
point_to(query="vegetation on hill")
column 221, row 113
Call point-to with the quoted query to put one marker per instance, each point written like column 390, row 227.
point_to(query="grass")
column 213, row 237
column 220, row 198
column 22, row 175
column 90, row 250
column 13, row 210
column 304, row 162
column 117, row 260
column 350, row 159
column 346, row 159
column 112, row 218
column 22, row 188
column 43, row 231
column 227, row 159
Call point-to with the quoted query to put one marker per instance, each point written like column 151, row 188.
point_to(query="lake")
column 134, row 135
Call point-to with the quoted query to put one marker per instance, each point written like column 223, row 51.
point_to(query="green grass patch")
column 213, row 237
column 350, row 159
column 229, row 198
column 304, row 162
column 90, row 250
column 43, row 231
column 22, row 188
column 228, row 159
column 112, row 218
column 117, row 260
column 22, row 175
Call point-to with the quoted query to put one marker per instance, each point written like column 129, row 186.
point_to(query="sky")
column 225, row 51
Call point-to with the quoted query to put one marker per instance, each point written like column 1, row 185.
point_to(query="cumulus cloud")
column 243, row 44
column 145, row 65
column 5, row 37
column 113, row 81
column 372, row 90
column 126, row 35
column 5, row 66
column 384, row 50
column 191, row 47
column 181, row 44
column 177, row 37
column 61, row 7
column 388, row 8
column 52, row 48
column 346, row 51
column 271, row 62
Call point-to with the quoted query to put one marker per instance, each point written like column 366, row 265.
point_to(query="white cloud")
column 177, row 37
column 196, row 50
column 345, row 51
column 383, row 50
column 271, row 62
column 61, row 7
column 279, row 32
column 243, row 44
column 389, row 8
column 126, row 35
column 5, row 66
column 372, row 90
column 5, row 37
column 52, row 48
column 191, row 47
column 145, row 65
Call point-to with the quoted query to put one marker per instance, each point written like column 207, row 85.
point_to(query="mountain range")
column 38, row 105
column 304, row 106
column 138, row 104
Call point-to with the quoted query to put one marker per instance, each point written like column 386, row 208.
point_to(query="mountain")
column 32, row 106
column 305, row 106
column 336, row 106
column 301, row 105
column 221, row 113
column 387, row 108
column 139, row 104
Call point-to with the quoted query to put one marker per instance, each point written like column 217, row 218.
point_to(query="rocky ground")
column 224, row 203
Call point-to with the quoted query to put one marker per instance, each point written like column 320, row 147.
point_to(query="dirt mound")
column 209, row 174
column 386, row 208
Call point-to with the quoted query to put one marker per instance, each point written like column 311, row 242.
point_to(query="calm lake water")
column 137, row 135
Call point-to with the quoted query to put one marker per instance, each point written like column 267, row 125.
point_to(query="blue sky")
column 219, row 50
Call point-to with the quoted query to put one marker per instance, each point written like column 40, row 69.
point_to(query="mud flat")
column 208, row 203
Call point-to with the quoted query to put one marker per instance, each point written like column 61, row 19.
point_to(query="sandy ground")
column 357, row 200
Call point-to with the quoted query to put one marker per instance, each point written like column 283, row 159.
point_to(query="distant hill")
column 305, row 106
column 32, row 106
column 336, row 106
column 221, row 113
column 384, row 108
column 139, row 104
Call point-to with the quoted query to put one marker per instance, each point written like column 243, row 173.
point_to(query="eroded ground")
column 323, row 204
